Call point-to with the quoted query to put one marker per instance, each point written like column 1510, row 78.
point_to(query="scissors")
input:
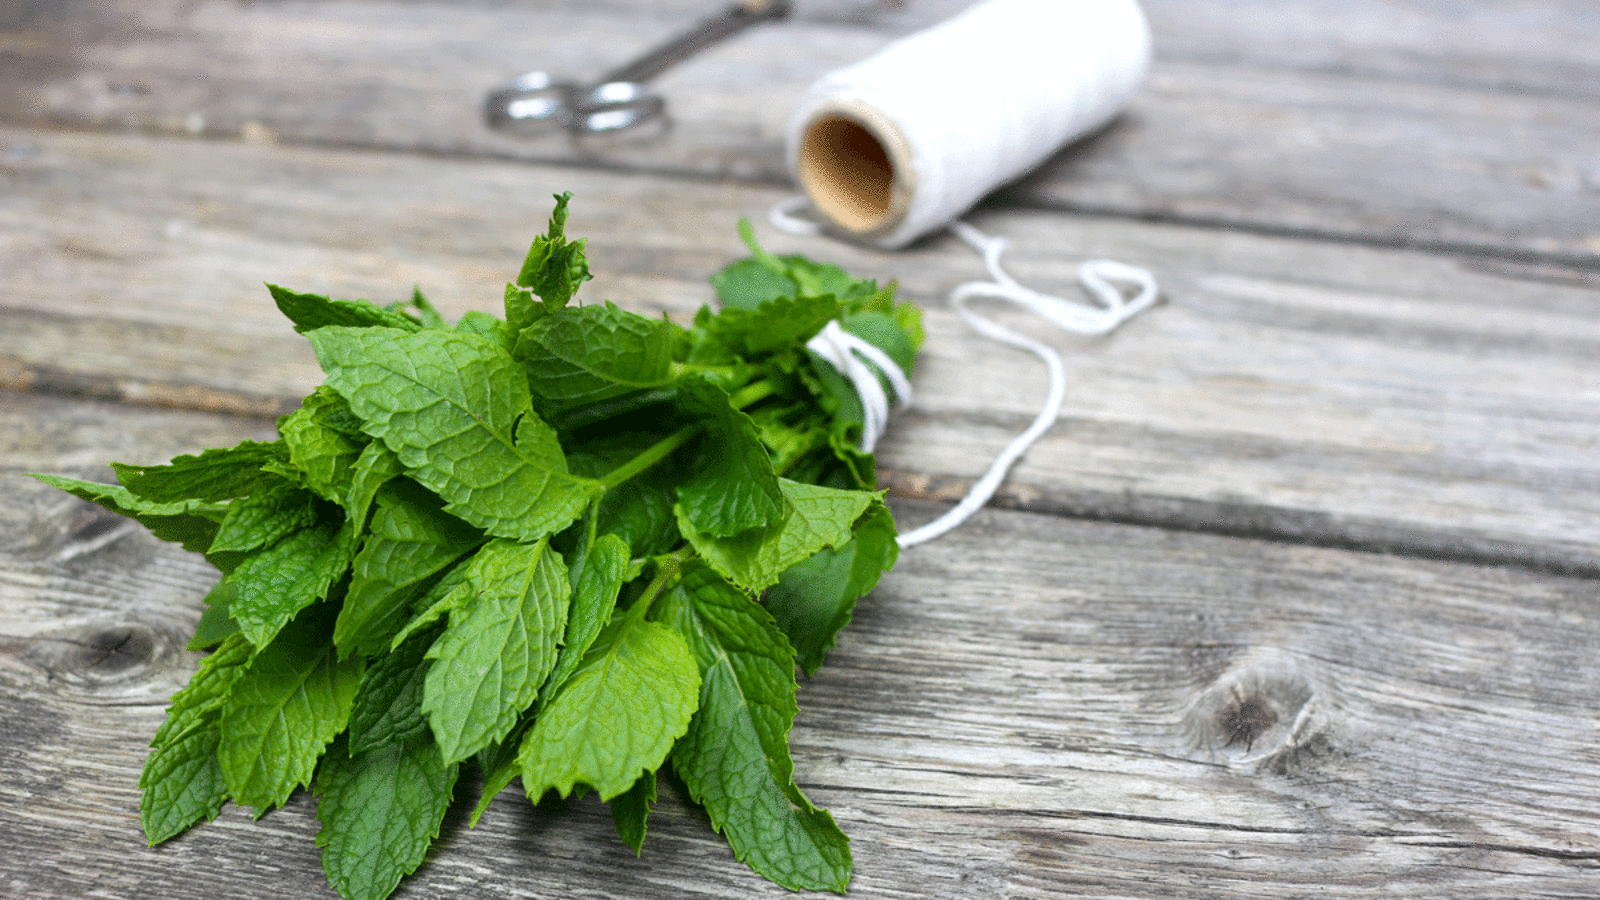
column 538, row 102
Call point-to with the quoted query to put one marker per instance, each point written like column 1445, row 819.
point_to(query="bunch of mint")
column 570, row 546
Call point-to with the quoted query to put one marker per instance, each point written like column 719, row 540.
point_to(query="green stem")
column 753, row 393
column 666, row 571
column 651, row 455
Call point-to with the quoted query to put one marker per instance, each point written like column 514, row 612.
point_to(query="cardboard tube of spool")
column 857, row 171
column 905, row 141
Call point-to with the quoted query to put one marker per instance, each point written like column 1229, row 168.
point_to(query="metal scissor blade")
column 720, row 27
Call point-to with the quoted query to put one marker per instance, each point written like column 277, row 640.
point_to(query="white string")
column 1097, row 276
column 843, row 351
column 783, row 216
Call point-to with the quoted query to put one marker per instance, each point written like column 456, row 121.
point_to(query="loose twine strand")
column 850, row 355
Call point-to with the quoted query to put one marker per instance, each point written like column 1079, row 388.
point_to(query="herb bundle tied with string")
column 571, row 546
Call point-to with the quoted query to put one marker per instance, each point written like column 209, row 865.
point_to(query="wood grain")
column 1029, row 708
column 1412, row 124
column 1390, row 400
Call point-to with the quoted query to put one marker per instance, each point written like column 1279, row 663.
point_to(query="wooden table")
column 1346, row 476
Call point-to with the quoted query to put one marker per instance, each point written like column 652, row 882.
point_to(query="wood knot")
column 1254, row 713
column 100, row 654
column 113, row 650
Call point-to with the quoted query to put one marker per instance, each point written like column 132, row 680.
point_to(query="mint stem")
column 667, row 570
column 651, row 455
column 752, row 393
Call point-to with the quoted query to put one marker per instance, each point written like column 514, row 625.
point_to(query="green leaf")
column 322, row 446
column 272, row 513
column 376, row 466
column 552, row 271
column 216, row 623
column 380, row 810
column 630, row 809
column 813, row 599
column 271, row 586
column 617, row 716
column 819, row 518
column 735, row 757
column 308, row 312
column 212, row 476
column 426, row 314
column 292, row 700
column 448, row 404
column 609, row 343
column 776, row 324
column 450, row 593
column 499, row 764
column 190, row 523
column 411, row 539
column 748, row 283
column 485, row 325
column 182, row 780
column 388, row 704
column 207, row 689
column 596, row 581
column 497, row 651
column 730, row 486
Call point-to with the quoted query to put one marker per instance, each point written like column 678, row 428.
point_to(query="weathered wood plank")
column 1029, row 707
column 1346, row 395
column 1412, row 124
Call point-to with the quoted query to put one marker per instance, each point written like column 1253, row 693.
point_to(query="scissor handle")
column 532, row 103
column 537, row 101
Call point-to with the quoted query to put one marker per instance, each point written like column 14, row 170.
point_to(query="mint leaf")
column 490, row 661
column 388, row 704
column 448, row 404
column 730, row 486
column 212, row 476
column 617, row 716
column 291, row 701
column 735, row 757
column 813, row 599
column 552, row 271
column 608, row 343
column 324, row 442
column 270, row 587
column 410, row 539
column 376, row 466
column 748, row 283
column 379, row 811
column 207, row 689
column 190, row 523
column 426, row 314
column 773, row 325
column 819, row 518
column 309, row 312
column 216, row 624
column 596, row 580
column 182, row 781
column 451, row 592
column 265, row 517
column 630, row 809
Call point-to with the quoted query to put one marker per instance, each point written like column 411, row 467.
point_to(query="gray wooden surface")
column 1348, row 471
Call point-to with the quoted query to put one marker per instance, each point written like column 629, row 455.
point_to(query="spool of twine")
column 904, row 142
